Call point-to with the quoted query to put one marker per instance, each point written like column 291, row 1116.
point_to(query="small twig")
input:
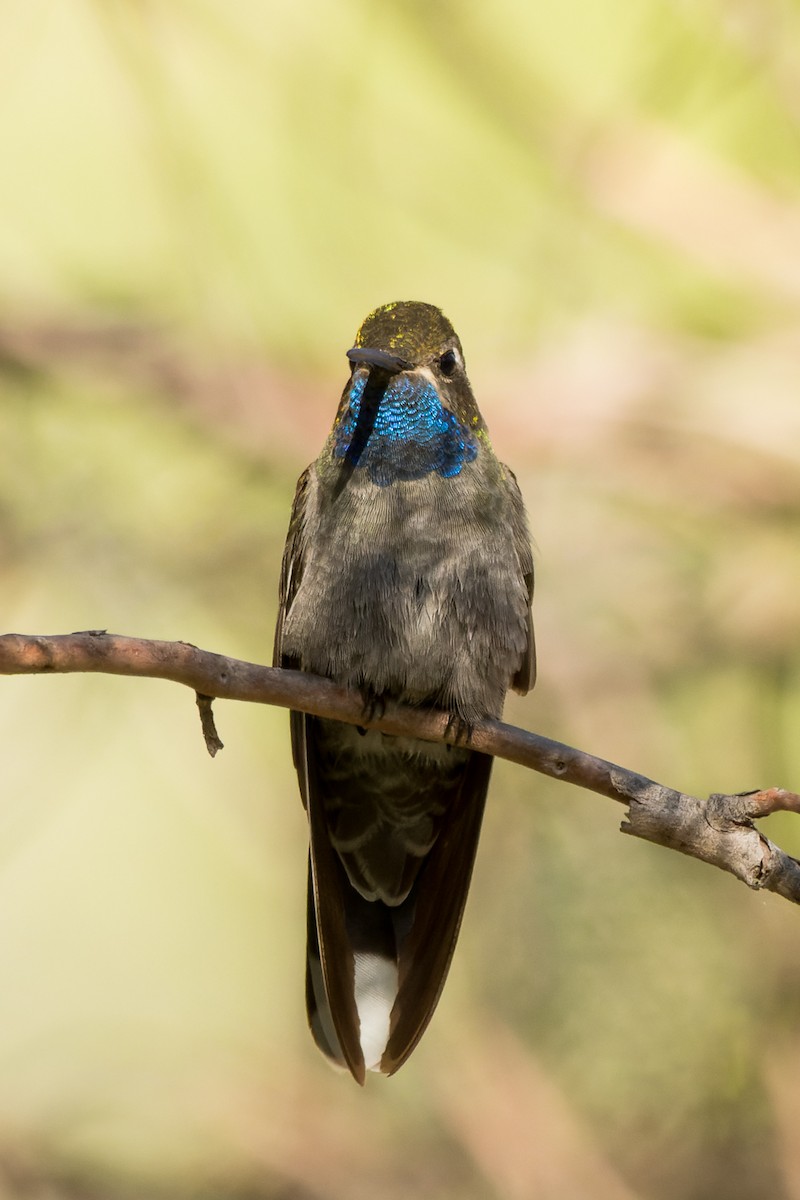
column 212, row 738
column 718, row 830
column 772, row 800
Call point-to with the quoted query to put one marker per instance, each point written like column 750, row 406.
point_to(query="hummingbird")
column 407, row 575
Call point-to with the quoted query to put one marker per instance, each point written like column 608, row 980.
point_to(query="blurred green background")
column 200, row 202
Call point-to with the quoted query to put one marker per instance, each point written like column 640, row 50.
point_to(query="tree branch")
column 718, row 830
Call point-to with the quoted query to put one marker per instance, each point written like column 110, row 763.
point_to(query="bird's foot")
column 374, row 703
column 460, row 729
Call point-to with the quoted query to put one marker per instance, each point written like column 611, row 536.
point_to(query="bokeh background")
column 200, row 201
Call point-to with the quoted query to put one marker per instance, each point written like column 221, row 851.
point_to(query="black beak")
column 379, row 358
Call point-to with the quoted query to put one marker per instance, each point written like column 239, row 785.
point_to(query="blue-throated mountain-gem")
column 408, row 575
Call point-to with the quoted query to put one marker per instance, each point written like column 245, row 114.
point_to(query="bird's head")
column 408, row 408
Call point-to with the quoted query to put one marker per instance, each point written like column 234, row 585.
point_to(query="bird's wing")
column 525, row 676
column 330, row 965
column 294, row 556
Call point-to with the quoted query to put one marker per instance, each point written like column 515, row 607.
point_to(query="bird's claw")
column 374, row 704
column 460, row 729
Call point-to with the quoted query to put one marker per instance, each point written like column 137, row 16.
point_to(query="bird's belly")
column 412, row 594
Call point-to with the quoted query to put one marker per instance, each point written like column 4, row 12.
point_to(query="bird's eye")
column 448, row 362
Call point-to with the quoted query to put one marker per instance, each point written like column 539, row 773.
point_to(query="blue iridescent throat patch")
column 412, row 434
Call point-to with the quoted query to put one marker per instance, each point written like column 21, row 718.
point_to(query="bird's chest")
column 396, row 582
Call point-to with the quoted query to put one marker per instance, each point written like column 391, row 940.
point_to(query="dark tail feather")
column 435, row 908
column 375, row 973
column 320, row 1019
column 373, row 932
